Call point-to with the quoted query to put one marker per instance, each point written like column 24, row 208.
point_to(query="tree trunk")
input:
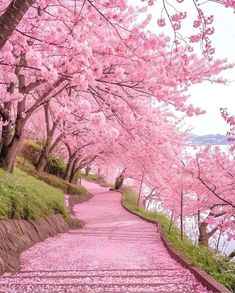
column 43, row 159
column 11, row 18
column 232, row 254
column 46, row 152
column 11, row 143
column 47, row 149
column 73, row 173
column 73, row 178
column 147, row 203
column 69, row 167
column 8, row 155
column 118, row 182
column 218, row 241
column 171, row 221
column 181, row 217
column 203, row 235
column 88, row 168
column 6, row 134
column 141, row 183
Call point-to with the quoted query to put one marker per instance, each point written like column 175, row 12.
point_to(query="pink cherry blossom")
column 161, row 22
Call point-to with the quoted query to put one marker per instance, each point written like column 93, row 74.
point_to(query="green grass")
column 27, row 194
column 56, row 166
column 31, row 150
column 217, row 266
column 90, row 177
column 52, row 180
column 25, row 197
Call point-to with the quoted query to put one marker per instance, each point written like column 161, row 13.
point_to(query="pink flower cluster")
column 179, row 16
column 190, row 110
column 196, row 38
column 229, row 3
column 161, row 22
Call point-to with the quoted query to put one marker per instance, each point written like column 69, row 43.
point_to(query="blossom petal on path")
column 115, row 252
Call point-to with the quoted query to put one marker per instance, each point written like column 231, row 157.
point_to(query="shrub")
column 56, row 166
column 30, row 150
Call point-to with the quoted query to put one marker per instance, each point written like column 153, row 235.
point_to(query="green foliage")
column 30, row 150
column 217, row 266
column 24, row 197
column 129, row 199
column 89, row 177
column 52, row 180
column 56, row 166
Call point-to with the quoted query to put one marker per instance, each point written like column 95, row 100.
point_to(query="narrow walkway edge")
column 116, row 251
column 202, row 276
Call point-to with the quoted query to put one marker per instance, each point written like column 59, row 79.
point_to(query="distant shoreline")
column 208, row 139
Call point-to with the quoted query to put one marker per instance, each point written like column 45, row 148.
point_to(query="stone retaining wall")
column 18, row 235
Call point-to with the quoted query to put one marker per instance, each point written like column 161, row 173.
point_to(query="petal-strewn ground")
column 115, row 252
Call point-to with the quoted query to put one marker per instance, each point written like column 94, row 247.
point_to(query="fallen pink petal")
column 115, row 252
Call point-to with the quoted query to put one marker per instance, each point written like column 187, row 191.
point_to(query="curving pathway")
column 115, row 252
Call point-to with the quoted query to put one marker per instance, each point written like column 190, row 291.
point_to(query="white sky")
column 210, row 97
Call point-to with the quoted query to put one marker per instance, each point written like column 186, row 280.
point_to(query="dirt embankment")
column 18, row 235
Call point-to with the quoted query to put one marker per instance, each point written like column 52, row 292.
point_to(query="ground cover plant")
column 55, row 181
column 25, row 197
column 90, row 177
column 26, row 194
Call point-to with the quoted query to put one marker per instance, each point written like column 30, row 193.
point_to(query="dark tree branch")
column 12, row 16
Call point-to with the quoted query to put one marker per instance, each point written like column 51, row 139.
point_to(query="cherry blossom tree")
column 151, row 145
column 108, row 89
column 11, row 17
column 230, row 119
column 54, row 127
column 201, row 187
column 78, row 159
column 180, row 15
column 212, row 186
column 14, row 11
column 41, row 62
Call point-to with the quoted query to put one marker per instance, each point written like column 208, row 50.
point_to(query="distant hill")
column 213, row 139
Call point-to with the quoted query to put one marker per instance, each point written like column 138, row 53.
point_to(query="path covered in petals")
column 115, row 252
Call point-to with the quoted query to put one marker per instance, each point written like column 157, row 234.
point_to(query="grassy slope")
column 217, row 266
column 25, row 197
column 26, row 194
column 52, row 180
column 89, row 177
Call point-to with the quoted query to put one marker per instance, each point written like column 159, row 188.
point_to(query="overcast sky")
column 210, row 97
column 213, row 96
